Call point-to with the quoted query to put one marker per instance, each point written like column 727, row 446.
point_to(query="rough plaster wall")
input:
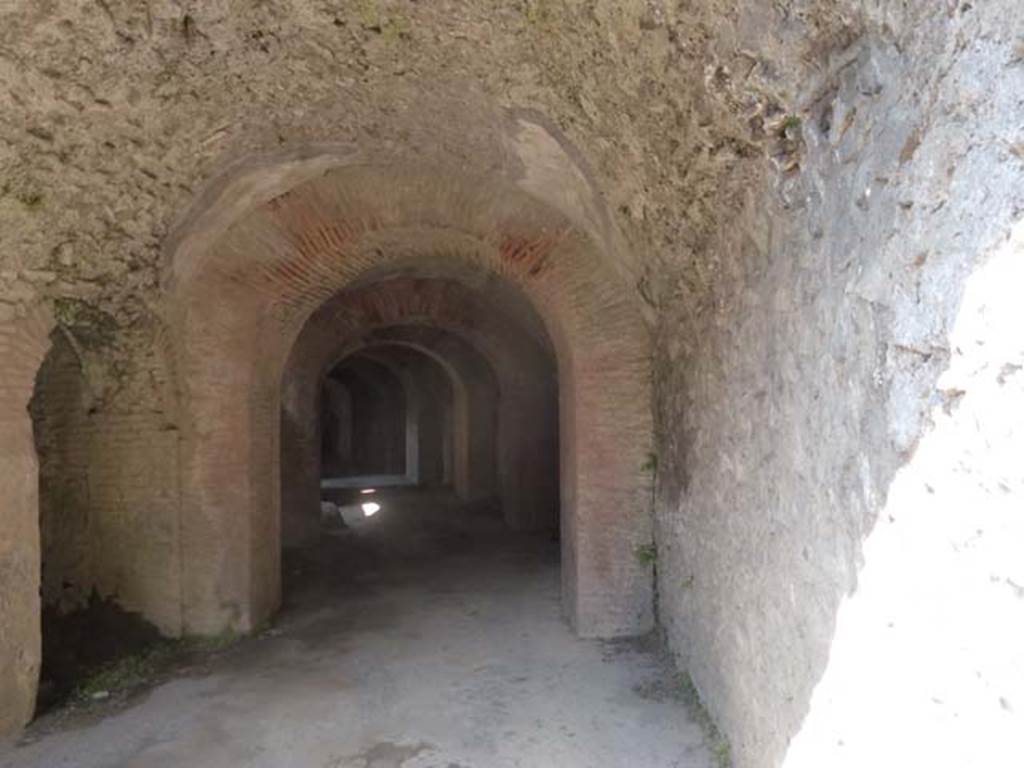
column 23, row 345
column 115, row 116
column 794, row 388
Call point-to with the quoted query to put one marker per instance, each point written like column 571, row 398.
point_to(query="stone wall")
column 794, row 389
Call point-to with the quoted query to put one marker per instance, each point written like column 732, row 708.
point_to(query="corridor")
column 428, row 635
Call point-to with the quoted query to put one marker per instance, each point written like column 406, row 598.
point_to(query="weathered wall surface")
column 805, row 372
column 23, row 345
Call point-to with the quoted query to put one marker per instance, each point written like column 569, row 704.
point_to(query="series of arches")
column 489, row 355
column 446, row 429
column 292, row 262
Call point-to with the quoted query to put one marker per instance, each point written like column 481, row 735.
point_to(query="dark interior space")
column 83, row 632
column 362, row 420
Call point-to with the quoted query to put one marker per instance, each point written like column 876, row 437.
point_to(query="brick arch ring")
column 275, row 239
column 471, row 429
column 413, row 310
column 473, row 391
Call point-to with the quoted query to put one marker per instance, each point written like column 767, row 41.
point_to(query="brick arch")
column 243, row 279
column 408, row 309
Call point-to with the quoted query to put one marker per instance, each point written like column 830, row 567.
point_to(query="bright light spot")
column 371, row 508
column 368, row 490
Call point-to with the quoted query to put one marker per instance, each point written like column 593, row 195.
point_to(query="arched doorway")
column 246, row 278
